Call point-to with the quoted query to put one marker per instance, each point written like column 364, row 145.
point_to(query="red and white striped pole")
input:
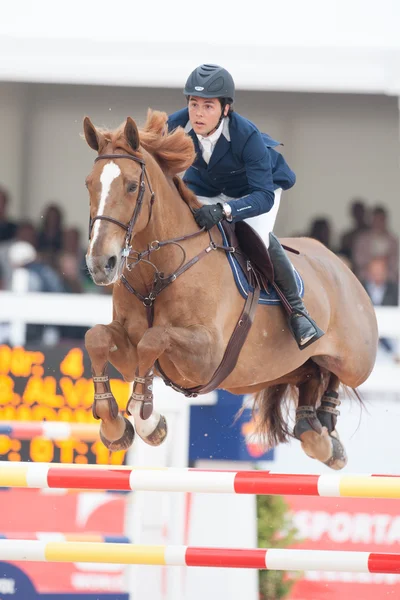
column 105, row 477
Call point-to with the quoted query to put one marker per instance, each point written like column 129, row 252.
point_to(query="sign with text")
column 355, row 525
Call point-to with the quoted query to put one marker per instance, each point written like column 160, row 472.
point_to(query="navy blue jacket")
column 243, row 165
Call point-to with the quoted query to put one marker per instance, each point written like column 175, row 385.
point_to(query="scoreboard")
column 52, row 384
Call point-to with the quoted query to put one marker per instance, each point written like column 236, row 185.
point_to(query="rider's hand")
column 208, row 216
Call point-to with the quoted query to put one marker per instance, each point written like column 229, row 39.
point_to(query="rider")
column 238, row 175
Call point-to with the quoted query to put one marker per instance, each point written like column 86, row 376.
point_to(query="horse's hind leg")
column 110, row 343
column 316, row 428
column 313, row 437
column 327, row 414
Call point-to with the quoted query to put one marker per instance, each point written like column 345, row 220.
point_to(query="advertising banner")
column 41, row 514
column 355, row 525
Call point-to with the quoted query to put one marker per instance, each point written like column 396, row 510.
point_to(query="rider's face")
column 204, row 114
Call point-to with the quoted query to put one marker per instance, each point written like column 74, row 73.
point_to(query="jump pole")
column 58, row 536
column 110, row 477
column 51, row 430
column 259, row 558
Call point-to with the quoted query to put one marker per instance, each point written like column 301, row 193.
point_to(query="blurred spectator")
column 72, row 242
column 72, row 268
column 41, row 277
column 381, row 290
column 26, row 232
column 50, row 237
column 321, row 230
column 7, row 227
column 70, row 273
column 359, row 215
column 31, row 275
column 72, row 261
column 376, row 242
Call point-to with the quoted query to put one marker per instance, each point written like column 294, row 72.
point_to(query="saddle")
column 251, row 253
column 254, row 258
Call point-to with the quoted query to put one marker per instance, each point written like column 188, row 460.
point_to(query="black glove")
column 208, row 216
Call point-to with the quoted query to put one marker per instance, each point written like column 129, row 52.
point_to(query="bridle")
column 161, row 280
column 139, row 202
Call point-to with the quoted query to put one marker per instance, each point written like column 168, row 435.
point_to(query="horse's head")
column 120, row 198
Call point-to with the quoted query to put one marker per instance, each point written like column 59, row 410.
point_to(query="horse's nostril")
column 112, row 261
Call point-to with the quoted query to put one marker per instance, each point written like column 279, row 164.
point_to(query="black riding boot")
column 303, row 328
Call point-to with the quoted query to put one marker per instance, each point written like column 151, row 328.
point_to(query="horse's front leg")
column 104, row 344
column 189, row 349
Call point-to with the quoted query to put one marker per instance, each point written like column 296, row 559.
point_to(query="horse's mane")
column 174, row 151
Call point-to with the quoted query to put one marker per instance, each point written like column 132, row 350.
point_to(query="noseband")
column 139, row 202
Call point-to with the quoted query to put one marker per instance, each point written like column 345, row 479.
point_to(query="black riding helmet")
column 210, row 81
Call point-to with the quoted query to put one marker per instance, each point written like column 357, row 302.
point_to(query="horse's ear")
column 91, row 135
column 131, row 134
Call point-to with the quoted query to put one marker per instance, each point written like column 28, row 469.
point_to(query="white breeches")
column 263, row 224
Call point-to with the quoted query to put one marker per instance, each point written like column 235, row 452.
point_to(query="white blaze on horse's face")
column 109, row 173
column 103, row 257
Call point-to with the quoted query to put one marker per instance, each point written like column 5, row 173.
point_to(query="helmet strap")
column 222, row 116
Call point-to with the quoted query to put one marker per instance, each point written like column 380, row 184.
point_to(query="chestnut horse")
column 137, row 202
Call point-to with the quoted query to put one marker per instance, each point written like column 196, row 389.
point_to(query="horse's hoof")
column 124, row 442
column 316, row 445
column 158, row 435
column 338, row 460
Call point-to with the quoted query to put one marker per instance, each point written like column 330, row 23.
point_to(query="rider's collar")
column 225, row 128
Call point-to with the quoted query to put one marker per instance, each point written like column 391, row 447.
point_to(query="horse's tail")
column 271, row 412
column 351, row 394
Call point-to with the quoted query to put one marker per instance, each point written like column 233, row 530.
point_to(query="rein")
column 161, row 281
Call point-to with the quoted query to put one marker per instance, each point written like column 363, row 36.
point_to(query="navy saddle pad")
column 270, row 298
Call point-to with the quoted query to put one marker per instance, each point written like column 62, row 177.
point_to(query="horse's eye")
column 132, row 187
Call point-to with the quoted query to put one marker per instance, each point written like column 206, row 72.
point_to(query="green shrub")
column 275, row 530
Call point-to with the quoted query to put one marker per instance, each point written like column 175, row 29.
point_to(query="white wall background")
column 335, row 45
column 339, row 145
